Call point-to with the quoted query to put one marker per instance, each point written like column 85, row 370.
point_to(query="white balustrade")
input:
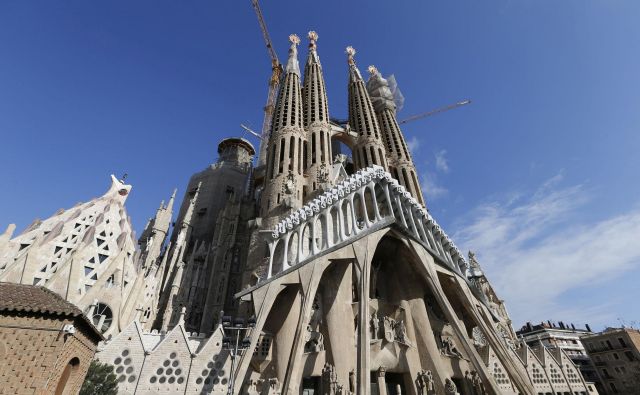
column 367, row 201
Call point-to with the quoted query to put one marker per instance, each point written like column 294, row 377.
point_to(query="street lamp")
column 238, row 326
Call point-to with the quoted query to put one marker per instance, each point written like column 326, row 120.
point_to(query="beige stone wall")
column 35, row 353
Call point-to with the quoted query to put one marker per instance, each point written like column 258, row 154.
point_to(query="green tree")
column 100, row 380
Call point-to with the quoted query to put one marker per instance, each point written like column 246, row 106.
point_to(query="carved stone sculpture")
column 389, row 333
column 450, row 387
column 401, row 332
column 375, row 326
column 424, row 383
column 314, row 341
column 330, row 380
column 449, row 348
column 476, row 384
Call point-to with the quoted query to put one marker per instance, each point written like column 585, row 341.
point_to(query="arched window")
column 68, row 373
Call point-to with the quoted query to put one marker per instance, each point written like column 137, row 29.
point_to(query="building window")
column 629, row 356
column 101, row 316
column 622, row 342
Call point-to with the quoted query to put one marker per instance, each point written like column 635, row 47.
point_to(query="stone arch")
column 347, row 218
column 358, row 210
column 306, row 239
column 277, row 258
column 320, row 232
column 292, row 248
column 370, row 203
column 381, row 200
column 335, row 225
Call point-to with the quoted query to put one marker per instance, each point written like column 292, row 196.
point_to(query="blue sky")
column 539, row 175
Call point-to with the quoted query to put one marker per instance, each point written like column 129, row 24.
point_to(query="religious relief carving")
column 314, row 341
column 475, row 383
column 450, row 387
column 289, row 184
column 330, row 384
column 479, row 340
column 504, row 334
column 424, row 383
column 324, row 174
column 449, row 348
column 395, row 331
column 274, row 386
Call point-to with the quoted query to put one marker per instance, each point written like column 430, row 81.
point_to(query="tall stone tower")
column 188, row 268
column 369, row 149
column 401, row 165
column 317, row 152
column 284, row 178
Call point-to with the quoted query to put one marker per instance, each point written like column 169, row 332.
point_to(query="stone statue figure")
column 274, row 386
column 375, row 326
column 330, row 380
column 424, row 383
column 389, row 333
column 449, row 348
column 477, row 385
column 401, row 332
column 450, row 387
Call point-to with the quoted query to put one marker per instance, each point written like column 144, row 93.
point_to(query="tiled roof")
column 35, row 299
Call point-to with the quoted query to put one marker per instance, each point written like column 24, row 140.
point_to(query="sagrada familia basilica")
column 314, row 272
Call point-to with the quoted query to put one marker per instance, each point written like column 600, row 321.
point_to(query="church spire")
column 284, row 178
column 316, row 120
column 401, row 165
column 369, row 149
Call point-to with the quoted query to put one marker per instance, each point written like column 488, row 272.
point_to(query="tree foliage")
column 100, row 380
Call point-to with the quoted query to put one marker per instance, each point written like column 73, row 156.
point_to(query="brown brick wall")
column 35, row 352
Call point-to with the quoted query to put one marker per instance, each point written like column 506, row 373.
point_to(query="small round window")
column 101, row 317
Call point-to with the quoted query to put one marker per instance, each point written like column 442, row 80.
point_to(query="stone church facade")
column 350, row 284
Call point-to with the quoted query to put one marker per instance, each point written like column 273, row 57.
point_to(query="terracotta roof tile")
column 35, row 299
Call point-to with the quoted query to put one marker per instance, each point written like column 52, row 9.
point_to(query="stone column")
column 339, row 319
column 364, row 334
column 382, row 384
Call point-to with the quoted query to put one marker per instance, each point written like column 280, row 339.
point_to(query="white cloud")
column 431, row 188
column 413, row 144
column 441, row 161
column 533, row 253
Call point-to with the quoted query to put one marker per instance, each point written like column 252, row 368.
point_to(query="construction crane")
column 436, row 111
column 417, row 116
column 251, row 131
column 274, row 83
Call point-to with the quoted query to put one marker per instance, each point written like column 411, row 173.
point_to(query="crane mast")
column 274, row 83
